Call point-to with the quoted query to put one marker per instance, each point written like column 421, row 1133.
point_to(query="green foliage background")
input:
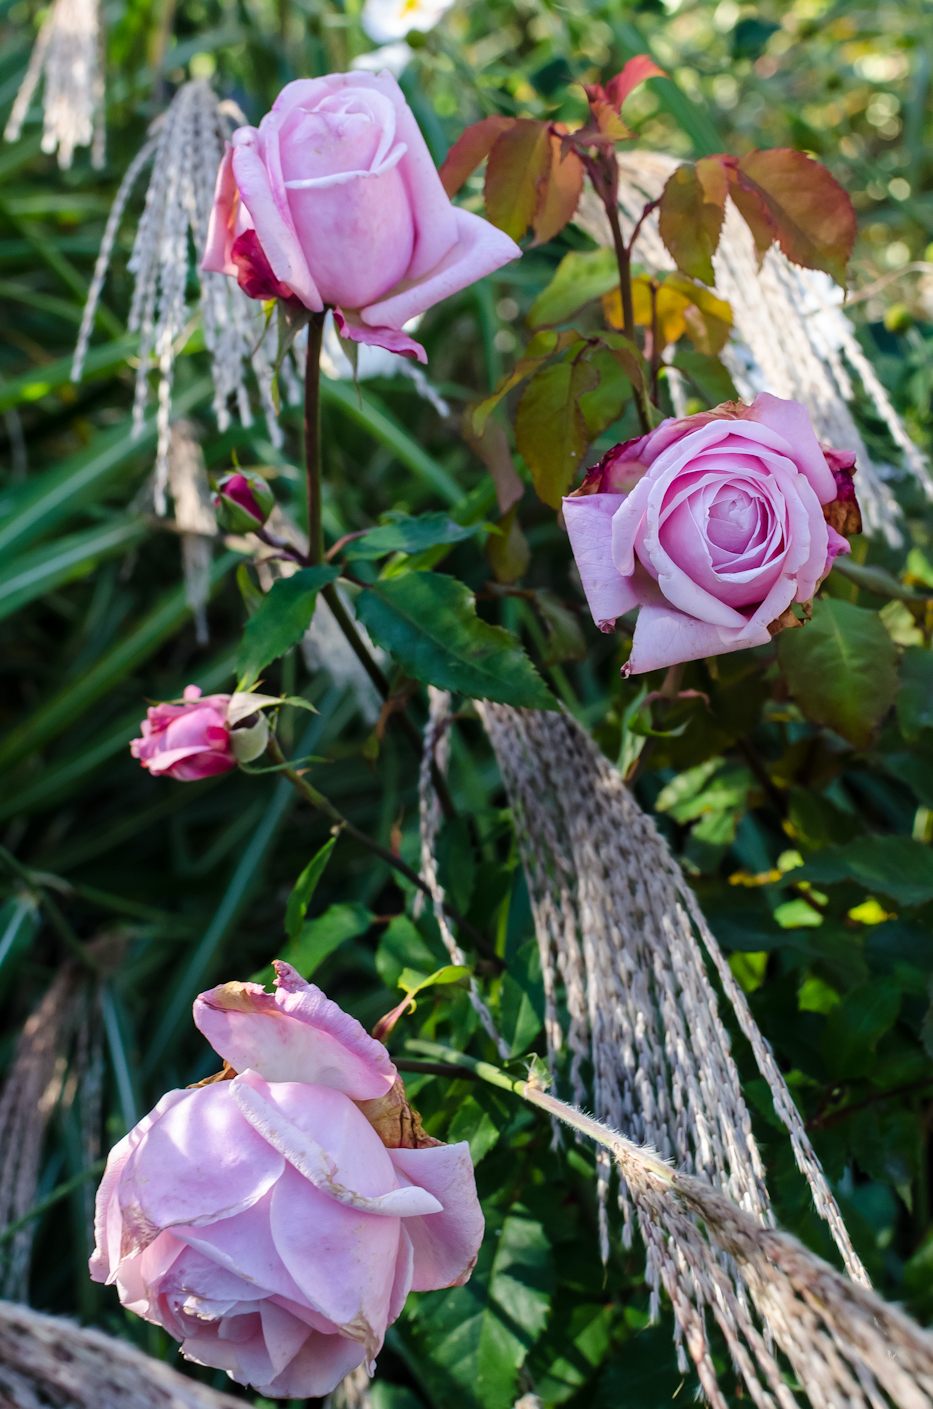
column 823, row 747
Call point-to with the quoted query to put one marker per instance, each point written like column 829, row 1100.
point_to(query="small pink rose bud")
column 243, row 501
column 187, row 741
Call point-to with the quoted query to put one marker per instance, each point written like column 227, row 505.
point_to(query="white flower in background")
column 394, row 57
column 387, row 20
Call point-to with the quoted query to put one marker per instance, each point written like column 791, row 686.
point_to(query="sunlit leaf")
column 558, row 190
column 519, row 160
column 304, row 889
column 580, row 278
column 690, row 216
column 635, row 71
column 811, row 215
column 550, row 428
column 473, row 147
column 542, row 346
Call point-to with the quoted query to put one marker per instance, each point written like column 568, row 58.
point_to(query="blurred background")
column 180, row 886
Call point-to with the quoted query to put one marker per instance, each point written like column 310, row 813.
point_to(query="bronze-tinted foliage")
column 534, row 176
column 783, row 195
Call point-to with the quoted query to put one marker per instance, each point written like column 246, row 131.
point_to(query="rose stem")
column 323, row 804
column 316, row 555
column 655, row 342
column 585, row 1124
column 313, row 438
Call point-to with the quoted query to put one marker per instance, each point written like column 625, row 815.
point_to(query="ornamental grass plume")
column 185, row 146
column 58, row 1064
column 793, row 337
column 69, row 52
column 617, row 927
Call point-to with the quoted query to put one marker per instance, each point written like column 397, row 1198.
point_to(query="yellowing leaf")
column 690, row 216
column 518, row 161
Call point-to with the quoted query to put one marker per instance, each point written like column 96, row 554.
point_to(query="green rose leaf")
column 550, row 426
column 282, row 619
column 411, row 535
column 896, row 866
column 429, row 623
column 841, row 668
column 471, row 1341
column 580, row 278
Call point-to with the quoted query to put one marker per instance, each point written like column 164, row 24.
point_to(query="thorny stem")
column 313, row 438
column 535, row 1096
column 317, row 800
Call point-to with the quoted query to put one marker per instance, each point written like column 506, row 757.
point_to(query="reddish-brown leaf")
column 519, row 160
column 690, row 216
column 812, row 216
column 558, row 191
column 639, row 68
column 473, row 146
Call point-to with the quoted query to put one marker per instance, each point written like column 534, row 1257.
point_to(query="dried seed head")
column 185, row 145
column 68, row 50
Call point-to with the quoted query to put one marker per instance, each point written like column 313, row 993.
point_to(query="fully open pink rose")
column 712, row 525
column 334, row 200
column 261, row 1220
column 187, row 741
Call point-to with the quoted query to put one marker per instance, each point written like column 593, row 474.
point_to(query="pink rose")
column 187, row 741
column 261, row 1220
column 243, row 501
column 334, row 200
column 712, row 524
column 200, row 737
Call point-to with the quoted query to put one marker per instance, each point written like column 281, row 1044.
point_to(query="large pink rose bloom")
column 712, row 525
column 186, row 741
column 261, row 1220
column 334, row 200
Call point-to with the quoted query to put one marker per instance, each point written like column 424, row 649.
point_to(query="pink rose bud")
column 712, row 525
column 334, row 201
column 261, row 1220
column 243, row 501
column 187, row 741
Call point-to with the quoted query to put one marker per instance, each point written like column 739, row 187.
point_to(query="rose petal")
column 278, row 238
column 199, row 1162
column 792, row 422
column 446, row 1244
column 392, row 339
column 480, row 249
column 664, row 636
column 220, row 227
column 295, row 1034
column 609, row 595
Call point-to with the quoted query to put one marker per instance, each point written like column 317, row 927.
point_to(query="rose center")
column 732, row 520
